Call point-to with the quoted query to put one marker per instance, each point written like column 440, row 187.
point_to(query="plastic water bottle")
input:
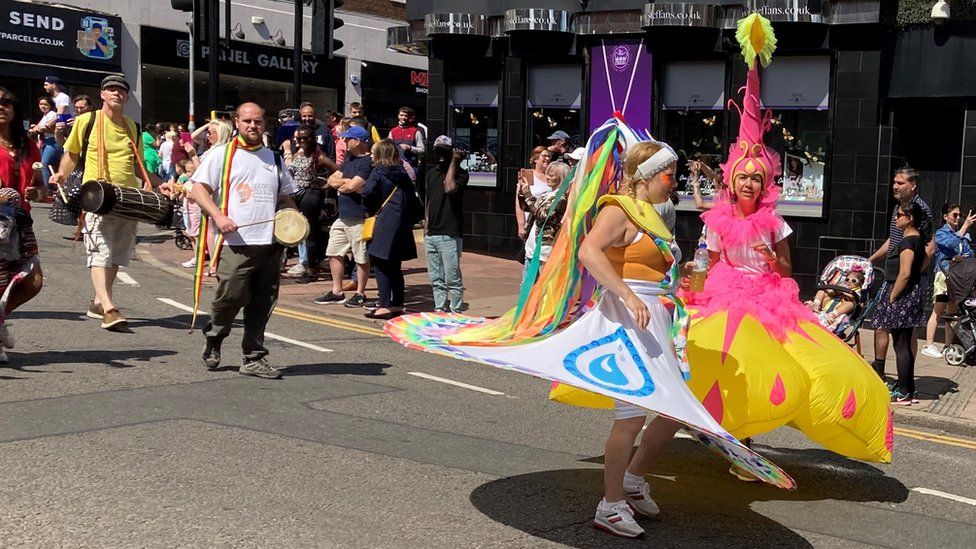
column 700, row 268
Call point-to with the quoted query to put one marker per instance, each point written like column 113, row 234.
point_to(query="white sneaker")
column 297, row 270
column 640, row 501
column 189, row 264
column 617, row 518
column 931, row 351
column 6, row 338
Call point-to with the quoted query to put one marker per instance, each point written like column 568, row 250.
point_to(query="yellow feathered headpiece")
column 755, row 35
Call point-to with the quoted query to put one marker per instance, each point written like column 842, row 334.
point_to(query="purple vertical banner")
column 620, row 80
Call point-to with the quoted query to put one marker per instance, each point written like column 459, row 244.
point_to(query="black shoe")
column 306, row 278
column 330, row 298
column 372, row 305
column 211, row 354
column 383, row 316
column 357, row 300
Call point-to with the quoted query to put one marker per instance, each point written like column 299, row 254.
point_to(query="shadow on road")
column 326, row 368
column 50, row 315
column 113, row 359
column 702, row 507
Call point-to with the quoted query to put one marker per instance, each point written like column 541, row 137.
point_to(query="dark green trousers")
column 248, row 278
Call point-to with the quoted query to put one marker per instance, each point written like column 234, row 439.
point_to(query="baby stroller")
column 961, row 283
column 178, row 224
column 865, row 298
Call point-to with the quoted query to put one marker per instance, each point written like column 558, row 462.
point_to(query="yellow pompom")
column 756, row 38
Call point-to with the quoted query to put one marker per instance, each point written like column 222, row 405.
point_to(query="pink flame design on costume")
column 778, row 395
column 850, row 406
column 713, row 403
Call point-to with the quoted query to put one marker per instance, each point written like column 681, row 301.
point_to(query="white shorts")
column 109, row 241
column 346, row 235
column 622, row 410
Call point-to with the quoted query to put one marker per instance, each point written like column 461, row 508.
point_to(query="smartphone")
column 65, row 118
column 185, row 137
column 526, row 173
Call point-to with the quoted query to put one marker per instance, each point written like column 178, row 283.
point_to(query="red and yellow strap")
column 202, row 237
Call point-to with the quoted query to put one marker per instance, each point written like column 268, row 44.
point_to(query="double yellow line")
column 940, row 439
column 330, row 322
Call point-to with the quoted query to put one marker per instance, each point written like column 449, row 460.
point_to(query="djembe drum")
column 103, row 198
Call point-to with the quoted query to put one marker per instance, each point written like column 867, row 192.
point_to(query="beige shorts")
column 347, row 235
column 939, row 287
column 109, row 241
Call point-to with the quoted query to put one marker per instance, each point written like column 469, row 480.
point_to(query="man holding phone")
column 444, row 223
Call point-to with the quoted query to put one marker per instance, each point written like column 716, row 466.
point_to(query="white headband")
column 657, row 162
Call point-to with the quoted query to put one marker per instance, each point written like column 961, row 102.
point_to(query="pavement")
column 947, row 394
column 126, row 440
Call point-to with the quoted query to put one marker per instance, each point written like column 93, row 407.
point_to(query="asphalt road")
column 125, row 440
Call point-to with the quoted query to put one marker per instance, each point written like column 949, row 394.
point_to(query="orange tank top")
column 640, row 260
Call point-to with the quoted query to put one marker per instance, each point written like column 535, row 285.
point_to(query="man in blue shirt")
column 346, row 234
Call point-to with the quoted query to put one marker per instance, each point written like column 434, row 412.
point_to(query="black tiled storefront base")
column 852, row 196
column 842, row 167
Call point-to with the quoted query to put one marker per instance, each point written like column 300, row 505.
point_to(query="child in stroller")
column 846, row 295
column 833, row 306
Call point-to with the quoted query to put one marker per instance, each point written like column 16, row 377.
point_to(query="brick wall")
column 382, row 8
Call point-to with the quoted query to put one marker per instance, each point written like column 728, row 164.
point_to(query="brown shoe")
column 114, row 321
column 95, row 311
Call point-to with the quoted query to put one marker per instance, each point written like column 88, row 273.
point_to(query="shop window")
column 473, row 120
column 797, row 90
column 554, row 100
column 693, row 100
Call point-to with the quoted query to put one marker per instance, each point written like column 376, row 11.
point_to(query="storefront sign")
column 395, row 82
column 538, row 20
column 777, row 11
column 463, row 24
column 620, row 80
column 673, row 14
column 172, row 49
column 31, row 30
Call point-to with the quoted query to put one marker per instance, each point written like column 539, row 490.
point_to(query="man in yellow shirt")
column 109, row 241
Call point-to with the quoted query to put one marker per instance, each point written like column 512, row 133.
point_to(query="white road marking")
column 126, row 278
column 946, row 495
column 268, row 335
column 456, row 383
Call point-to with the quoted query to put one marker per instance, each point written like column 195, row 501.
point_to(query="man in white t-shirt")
column 248, row 273
column 62, row 103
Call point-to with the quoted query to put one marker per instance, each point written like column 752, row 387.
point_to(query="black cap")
column 52, row 80
column 115, row 80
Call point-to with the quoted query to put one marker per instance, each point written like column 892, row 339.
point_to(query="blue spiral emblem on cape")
column 611, row 363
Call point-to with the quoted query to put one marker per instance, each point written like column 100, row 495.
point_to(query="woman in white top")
column 44, row 131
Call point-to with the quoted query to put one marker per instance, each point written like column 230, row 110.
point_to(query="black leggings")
column 310, row 204
column 389, row 281
column 905, row 359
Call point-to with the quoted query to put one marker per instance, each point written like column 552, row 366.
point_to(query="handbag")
column 67, row 200
column 370, row 223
